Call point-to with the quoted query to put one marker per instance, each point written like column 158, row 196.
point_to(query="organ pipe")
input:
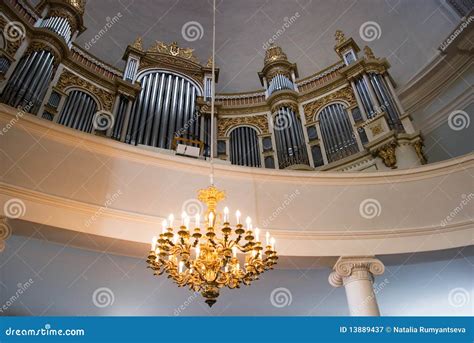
column 337, row 133
column 29, row 80
column 165, row 108
column 78, row 111
column 244, row 147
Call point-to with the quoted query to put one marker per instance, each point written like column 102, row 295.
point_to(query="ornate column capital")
column 352, row 268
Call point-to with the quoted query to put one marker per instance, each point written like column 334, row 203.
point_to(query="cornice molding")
column 113, row 148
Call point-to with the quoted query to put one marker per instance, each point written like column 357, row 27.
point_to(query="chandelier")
column 208, row 260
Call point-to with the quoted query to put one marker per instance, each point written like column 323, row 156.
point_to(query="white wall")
column 65, row 278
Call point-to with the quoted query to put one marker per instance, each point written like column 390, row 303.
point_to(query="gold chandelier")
column 207, row 261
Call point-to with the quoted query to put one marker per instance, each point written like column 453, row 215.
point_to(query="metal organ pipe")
column 165, row 107
column 29, row 80
column 78, row 112
column 244, row 147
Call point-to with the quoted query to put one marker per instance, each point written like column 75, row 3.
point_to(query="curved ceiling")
column 410, row 32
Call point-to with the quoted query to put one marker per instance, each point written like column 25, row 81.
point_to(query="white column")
column 305, row 134
column 354, row 129
column 321, row 142
column 126, row 121
column 359, row 101
column 394, row 95
column 357, row 275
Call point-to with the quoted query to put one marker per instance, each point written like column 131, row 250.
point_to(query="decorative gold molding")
column 340, row 37
column 225, row 124
column 418, row 146
column 68, row 79
column 138, row 44
column 312, row 108
column 387, row 154
column 174, row 50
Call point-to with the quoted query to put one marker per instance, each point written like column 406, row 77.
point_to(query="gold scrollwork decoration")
column 344, row 94
column 68, row 79
column 174, row 50
column 387, row 154
column 258, row 121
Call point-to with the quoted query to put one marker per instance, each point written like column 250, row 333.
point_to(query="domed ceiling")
column 407, row 32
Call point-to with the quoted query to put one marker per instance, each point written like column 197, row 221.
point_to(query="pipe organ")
column 58, row 25
column 337, row 132
column 244, row 147
column 345, row 117
column 164, row 109
column 29, row 81
column 78, row 112
column 289, row 138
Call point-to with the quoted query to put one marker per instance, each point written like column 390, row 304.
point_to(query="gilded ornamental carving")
column 258, row 121
column 174, row 50
column 312, row 108
column 68, row 79
column 418, row 146
column 15, row 32
column 387, row 154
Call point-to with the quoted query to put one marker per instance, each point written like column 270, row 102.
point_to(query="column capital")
column 352, row 268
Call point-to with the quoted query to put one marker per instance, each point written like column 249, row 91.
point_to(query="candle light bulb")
column 226, row 268
column 197, row 220
column 226, row 214
column 181, row 266
column 267, row 238
column 183, row 217
column 171, row 219
column 175, row 238
column 153, row 243
column 157, row 251
column 198, row 251
column 237, row 215
column 164, row 225
column 186, row 222
column 248, row 221
column 234, row 251
column 211, row 219
column 257, row 234
column 272, row 242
